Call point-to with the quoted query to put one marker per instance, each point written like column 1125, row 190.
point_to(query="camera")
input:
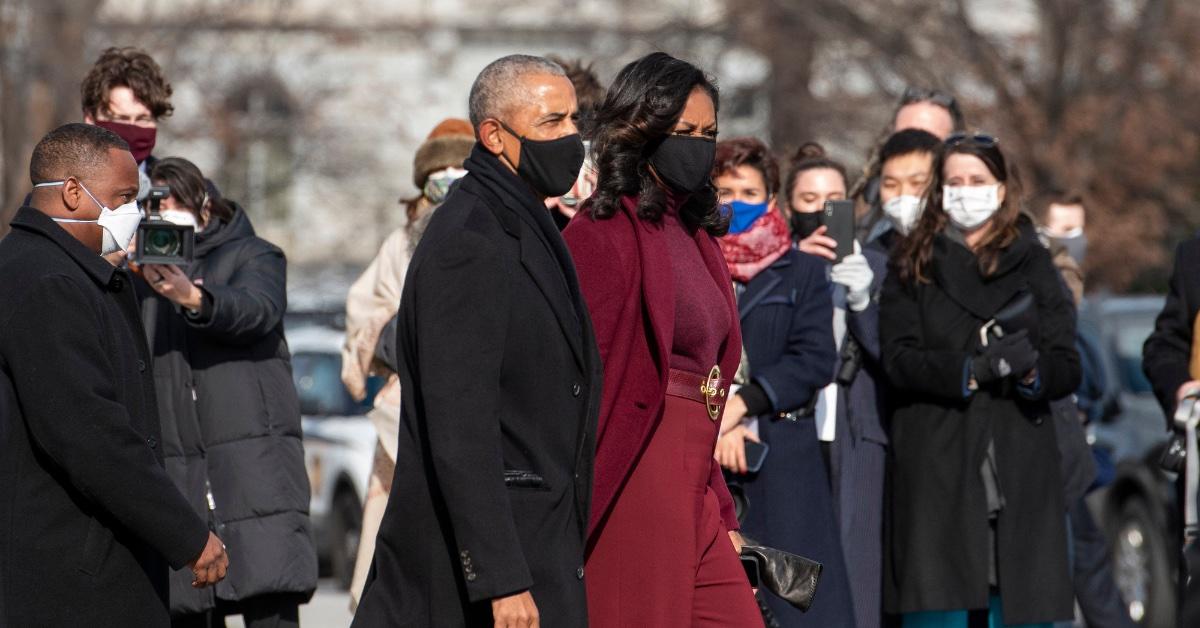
column 160, row 241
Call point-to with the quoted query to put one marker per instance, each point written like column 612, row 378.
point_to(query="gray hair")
column 497, row 88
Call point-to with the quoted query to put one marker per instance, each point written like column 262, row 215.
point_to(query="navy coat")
column 787, row 330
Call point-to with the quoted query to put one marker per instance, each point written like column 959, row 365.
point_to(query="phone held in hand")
column 756, row 454
column 838, row 219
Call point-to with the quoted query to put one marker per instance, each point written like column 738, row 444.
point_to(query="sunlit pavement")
column 329, row 608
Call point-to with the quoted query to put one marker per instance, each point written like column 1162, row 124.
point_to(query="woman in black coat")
column 786, row 310
column 229, row 411
column 976, row 519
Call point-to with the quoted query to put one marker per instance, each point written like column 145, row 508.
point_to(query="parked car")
column 1137, row 510
column 339, row 447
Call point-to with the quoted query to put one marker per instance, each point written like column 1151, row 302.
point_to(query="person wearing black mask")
column 125, row 92
column 663, row 541
column 485, row 524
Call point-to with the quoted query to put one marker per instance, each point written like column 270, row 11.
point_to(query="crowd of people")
column 631, row 374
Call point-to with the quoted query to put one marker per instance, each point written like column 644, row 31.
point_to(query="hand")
column 735, row 411
column 1011, row 355
column 731, row 449
column 819, row 244
column 209, row 568
column 855, row 273
column 1188, row 388
column 738, row 541
column 173, row 285
column 515, row 611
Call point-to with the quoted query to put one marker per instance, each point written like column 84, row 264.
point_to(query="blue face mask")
column 744, row 215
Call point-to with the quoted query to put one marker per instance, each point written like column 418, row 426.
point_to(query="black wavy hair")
column 640, row 110
column 907, row 142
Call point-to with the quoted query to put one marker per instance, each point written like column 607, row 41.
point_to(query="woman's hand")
column 819, row 244
column 738, row 541
column 173, row 285
column 735, row 411
column 731, row 449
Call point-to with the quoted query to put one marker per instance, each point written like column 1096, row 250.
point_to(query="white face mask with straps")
column 119, row 224
column 970, row 206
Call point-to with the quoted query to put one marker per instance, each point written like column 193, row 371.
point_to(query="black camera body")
column 160, row 241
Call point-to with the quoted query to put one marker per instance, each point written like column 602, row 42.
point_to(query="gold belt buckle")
column 710, row 391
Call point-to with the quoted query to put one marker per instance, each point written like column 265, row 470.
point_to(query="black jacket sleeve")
column 251, row 305
column 909, row 364
column 1167, row 352
column 458, row 324
column 808, row 362
column 65, row 383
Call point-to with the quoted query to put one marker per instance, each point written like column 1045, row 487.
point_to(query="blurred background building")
column 308, row 111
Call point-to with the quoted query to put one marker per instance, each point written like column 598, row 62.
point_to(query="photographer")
column 230, row 416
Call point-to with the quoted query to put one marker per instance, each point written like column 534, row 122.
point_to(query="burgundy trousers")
column 663, row 558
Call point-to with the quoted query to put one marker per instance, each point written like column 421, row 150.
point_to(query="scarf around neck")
column 749, row 252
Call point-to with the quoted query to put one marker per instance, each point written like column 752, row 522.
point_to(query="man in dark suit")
column 90, row 520
column 501, row 380
column 1168, row 351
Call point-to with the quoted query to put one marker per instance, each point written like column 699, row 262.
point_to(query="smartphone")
column 756, row 454
column 750, row 565
column 838, row 218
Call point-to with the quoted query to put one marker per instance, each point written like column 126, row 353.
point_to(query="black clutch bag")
column 791, row 577
column 1019, row 313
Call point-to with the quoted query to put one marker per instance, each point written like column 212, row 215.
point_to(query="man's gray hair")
column 497, row 89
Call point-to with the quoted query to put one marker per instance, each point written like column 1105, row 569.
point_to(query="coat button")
column 575, row 390
column 152, row 442
column 579, row 573
column 141, row 366
column 117, row 283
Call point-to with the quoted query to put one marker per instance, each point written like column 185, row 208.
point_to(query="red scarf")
column 749, row 252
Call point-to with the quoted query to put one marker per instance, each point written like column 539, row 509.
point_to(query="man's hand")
column 819, row 244
column 173, row 284
column 209, row 568
column 515, row 611
column 731, row 449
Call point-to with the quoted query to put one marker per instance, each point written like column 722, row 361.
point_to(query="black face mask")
column 550, row 167
column 804, row 223
column 685, row 162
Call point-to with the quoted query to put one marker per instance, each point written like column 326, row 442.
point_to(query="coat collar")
column 957, row 272
column 762, row 284
column 523, row 216
column 33, row 220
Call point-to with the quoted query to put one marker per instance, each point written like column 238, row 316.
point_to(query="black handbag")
column 1019, row 313
column 791, row 577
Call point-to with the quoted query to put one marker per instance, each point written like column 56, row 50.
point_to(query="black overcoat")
column 1168, row 350
column 936, row 543
column 501, row 381
column 231, row 417
column 89, row 520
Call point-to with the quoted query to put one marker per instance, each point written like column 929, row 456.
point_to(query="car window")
column 318, row 379
column 1130, row 333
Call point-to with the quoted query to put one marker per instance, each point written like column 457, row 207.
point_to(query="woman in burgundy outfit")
column 662, row 540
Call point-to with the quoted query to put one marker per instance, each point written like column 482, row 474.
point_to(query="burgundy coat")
column 625, row 275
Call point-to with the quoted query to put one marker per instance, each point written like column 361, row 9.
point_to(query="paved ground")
column 329, row 608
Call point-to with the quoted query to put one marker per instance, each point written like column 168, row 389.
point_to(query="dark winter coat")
column 937, row 544
column 89, row 519
column 787, row 330
column 231, row 418
column 501, row 380
column 1168, row 351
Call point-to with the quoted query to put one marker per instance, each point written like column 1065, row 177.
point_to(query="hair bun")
column 807, row 151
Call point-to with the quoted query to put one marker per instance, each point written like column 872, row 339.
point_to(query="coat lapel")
column 658, row 286
column 540, row 264
column 758, row 288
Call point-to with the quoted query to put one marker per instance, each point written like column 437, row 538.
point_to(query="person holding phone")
column 768, row 444
column 662, row 544
column 976, row 514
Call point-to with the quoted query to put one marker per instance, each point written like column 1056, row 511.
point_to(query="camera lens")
column 163, row 242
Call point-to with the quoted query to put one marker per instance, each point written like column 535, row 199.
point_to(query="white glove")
column 855, row 273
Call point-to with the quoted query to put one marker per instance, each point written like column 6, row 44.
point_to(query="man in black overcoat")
column 89, row 520
column 501, row 384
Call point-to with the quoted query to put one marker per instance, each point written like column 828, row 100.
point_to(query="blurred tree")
column 1095, row 95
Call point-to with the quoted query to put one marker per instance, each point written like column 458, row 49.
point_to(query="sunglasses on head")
column 982, row 139
column 937, row 97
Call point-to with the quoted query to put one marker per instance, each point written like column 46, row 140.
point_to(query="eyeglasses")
column 982, row 139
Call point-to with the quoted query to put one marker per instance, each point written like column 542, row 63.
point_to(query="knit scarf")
column 749, row 252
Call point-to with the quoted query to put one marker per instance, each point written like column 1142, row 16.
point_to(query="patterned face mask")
column 437, row 186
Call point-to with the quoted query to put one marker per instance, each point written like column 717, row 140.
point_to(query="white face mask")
column 904, row 211
column 119, row 224
column 970, row 206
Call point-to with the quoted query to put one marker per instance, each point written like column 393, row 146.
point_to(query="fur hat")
column 447, row 146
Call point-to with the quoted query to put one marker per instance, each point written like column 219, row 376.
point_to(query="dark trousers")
column 1095, row 588
column 263, row 611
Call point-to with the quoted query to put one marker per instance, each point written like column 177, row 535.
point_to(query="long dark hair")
column 189, row 188
column 640, row 111
column 915, row 252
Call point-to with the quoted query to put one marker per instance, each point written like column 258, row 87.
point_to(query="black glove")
column 1011, row 355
